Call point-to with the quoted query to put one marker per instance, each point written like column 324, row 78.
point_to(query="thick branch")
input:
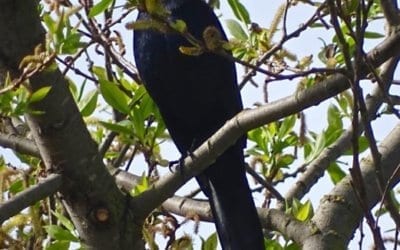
column 391, row 12
column 271, row 219
column 30, row 196
column 65, row 145
column 19, row 144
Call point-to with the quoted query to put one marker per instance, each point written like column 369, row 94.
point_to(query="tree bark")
column 97, row 207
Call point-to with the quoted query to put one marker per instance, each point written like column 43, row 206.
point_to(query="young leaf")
column 179, row 25
column 317, row 147
column 59, row 245
column 114, row 96
column 334, row 117
column 240, row 11
column 373, row 35
column 362, row 145
column 58, row 233
column 123, row 127
column 301, row 211
column 100, row 7
column 210, row 243
column 88, row 104
column 100, row 72
column 64, row 221
column 305, row 211
column 141, row 187
column 335, row 173
column 236, row 30
column 39, row 94
column 286, row 126
column 16, row 187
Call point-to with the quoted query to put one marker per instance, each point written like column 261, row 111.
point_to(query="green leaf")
column 349, row 7
column 39, row 94
column 100, row 72
column 58, row 233
column 259, row 136
column 50, row 23
column 59, row 245
column 210, row 243
column 115, row 97
column 236, row 30
column 317, row 148
column 122, row 127
column 88, row 104
column 334, row 117
column 185, row 242
column 59, row 34
column 302, row 212
column 240, row 11
column 141, row 187
column 179, row 25
column 335, row 173
column 286, row 126
column 138, row 120
column 285, row 160
column 100, row 7
column 140, row 92
column 332, row 134
column 272, row 244
column 71, row 44
column 317, row 25
column 373, row 35
column 292, row 246
column 16, row 187
column 73, row 88
column 148, row 107
column 64, row 221
column 362, row 146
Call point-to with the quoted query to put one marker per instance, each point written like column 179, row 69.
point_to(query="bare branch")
column 271, row 219
column 30, row 196
column 19, row 144
column 391, row 12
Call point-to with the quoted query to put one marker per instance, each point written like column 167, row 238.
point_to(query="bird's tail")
column 233, row 208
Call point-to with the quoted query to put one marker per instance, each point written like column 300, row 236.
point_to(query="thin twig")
column 264, row 183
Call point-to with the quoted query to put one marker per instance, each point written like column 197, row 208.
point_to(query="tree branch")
column 30, row 196
column 19, row 144
column 87, row 185
column 390, row 10
column 318, row 166
column 271, row 219
column 342, row 201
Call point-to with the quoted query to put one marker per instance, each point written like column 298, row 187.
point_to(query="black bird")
column 196, row 95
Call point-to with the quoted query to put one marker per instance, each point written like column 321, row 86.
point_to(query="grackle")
column 196, row 95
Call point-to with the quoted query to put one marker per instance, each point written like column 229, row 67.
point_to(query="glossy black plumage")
column 196, row 95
